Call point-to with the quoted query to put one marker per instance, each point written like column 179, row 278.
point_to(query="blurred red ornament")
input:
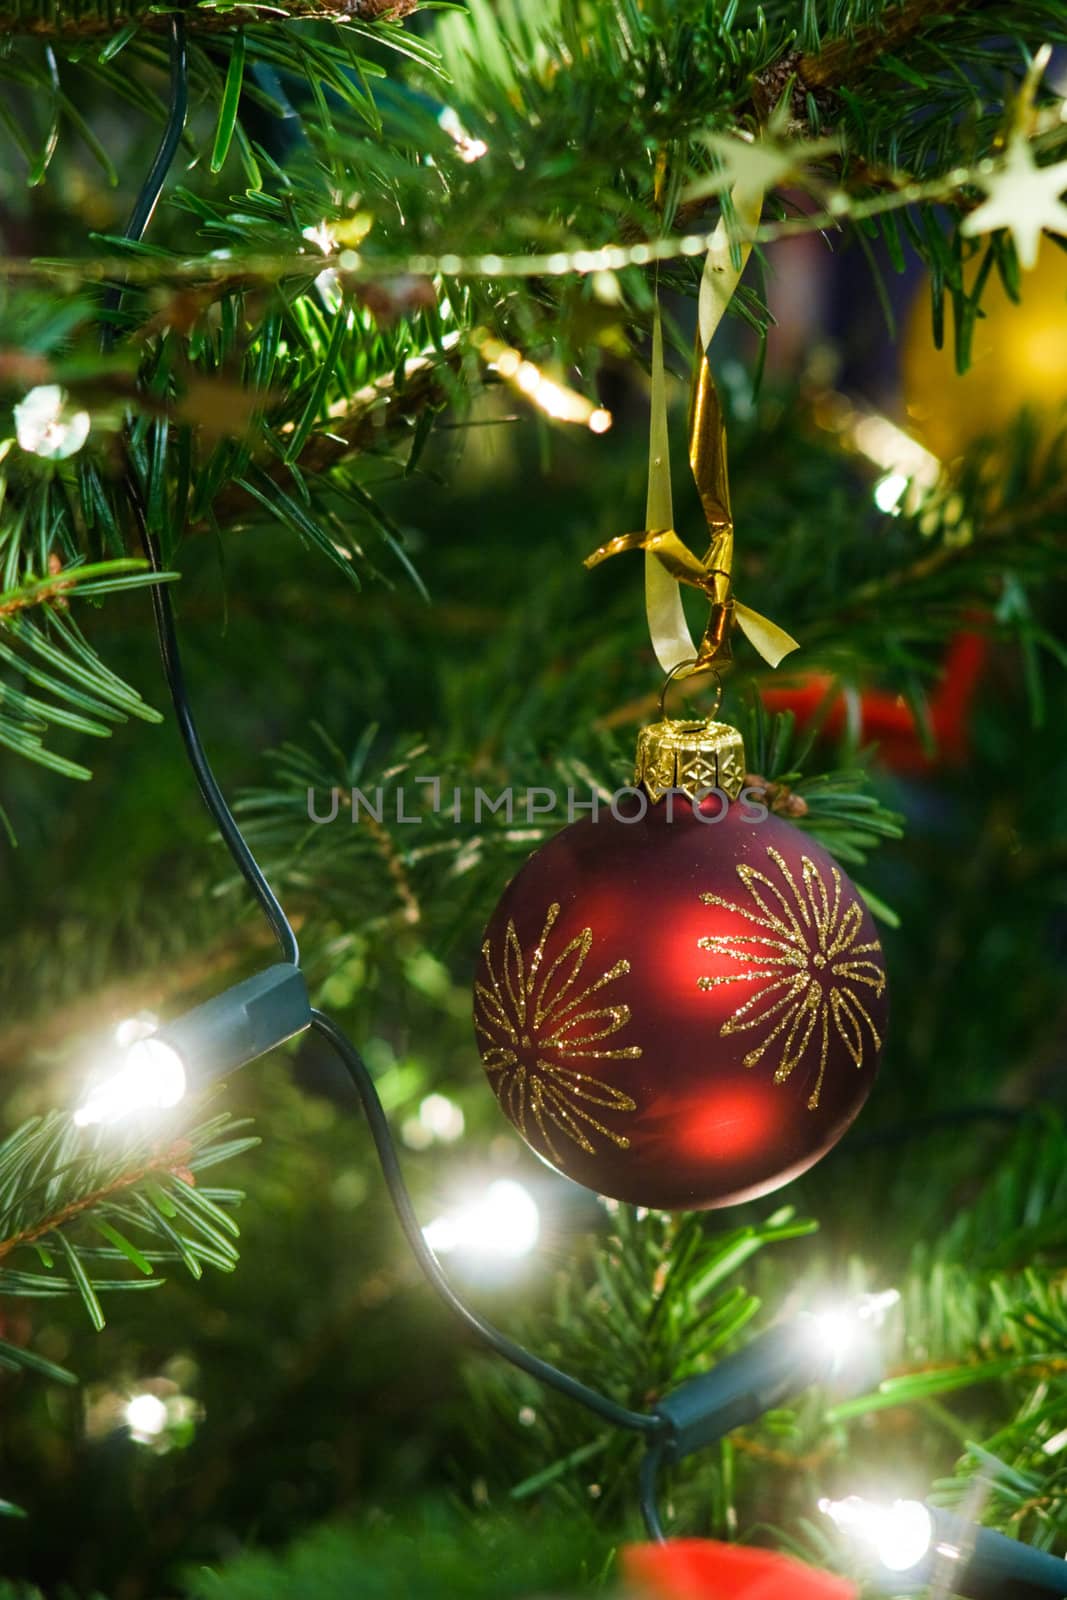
column 704, row 1569
column 887, row 719
column 678, row 1011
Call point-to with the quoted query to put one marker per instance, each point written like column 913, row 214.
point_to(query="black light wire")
column 358, row 1071
column 166, row 630
column 152, row 187
column 609, row 1410
column 648, row 1498
column 213, row 797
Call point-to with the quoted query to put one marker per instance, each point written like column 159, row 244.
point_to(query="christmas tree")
column 344, row 341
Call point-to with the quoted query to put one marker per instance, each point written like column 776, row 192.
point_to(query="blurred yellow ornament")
column 352, row 230
column 1018, row 362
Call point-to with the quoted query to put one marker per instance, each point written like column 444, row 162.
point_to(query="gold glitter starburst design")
column 813, row 976
column 537, row 1030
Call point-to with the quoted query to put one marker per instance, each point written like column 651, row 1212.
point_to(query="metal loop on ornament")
column 690, row 669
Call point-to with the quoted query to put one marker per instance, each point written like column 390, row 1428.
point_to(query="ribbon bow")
column 668, row 560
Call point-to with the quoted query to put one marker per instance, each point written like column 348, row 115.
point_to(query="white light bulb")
column 469, row 149
column 149, row 1076
column 133, row 1029
column 45, row 425
column 441, row 1235
column 838, row 1328
column 890, row 490
column 836, row 1333
column 899, row 1535
column 504, row 1223
column 321, row 236
column 441, row 1118
column 511, row 1219
column 873, row 1307
column 146, row 1417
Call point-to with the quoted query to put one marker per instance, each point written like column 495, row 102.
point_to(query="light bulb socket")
column 239, row 1024
column 770, row 1371
column 979, row 1563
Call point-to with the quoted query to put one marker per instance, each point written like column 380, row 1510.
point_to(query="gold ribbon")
column 663, row 598
column 668, row 560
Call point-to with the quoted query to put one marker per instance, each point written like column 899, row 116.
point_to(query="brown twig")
column 820, row 72
column 779, row 797
column 1038, row 1502
column 394, row 865
column 811, row 1462
column 40, row 594
column 837, row 60
column 372, row 419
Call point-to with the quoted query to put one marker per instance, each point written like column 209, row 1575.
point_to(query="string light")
column 468, row 148
column 151, row 1070
column 504, row 1223
column 839, row 1330
column 912, row 1546
column 149, row 1076
column 899, row 1535
column 815, row 1347
column 896, row 452
column 615, row 256
column 525, row 376
column 909, row 471
column 46, row 426
column 890, row 490
column 439, row 1121
column 247, row 1020
column 146, row 1417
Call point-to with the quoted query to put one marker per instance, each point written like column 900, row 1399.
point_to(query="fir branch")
column 1034, row 522
column 51, row 654
column 172, row 1161
column 375, row 418
column 383, row 408
column 99, row 578
column 40, row 19
column 54, row 1176
column 838, row 60
column 41, row 592
column 394, row 865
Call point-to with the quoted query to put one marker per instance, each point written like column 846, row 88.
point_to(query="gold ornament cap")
column 690, row 756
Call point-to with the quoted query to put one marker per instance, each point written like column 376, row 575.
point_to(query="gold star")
column 757, row 164
column 761, row 164
column 1022, row 197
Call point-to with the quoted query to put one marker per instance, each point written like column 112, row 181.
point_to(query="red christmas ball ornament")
column 685, row 1009
column 707, row 1569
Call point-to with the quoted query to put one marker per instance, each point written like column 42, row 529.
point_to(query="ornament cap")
column 691, row 756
